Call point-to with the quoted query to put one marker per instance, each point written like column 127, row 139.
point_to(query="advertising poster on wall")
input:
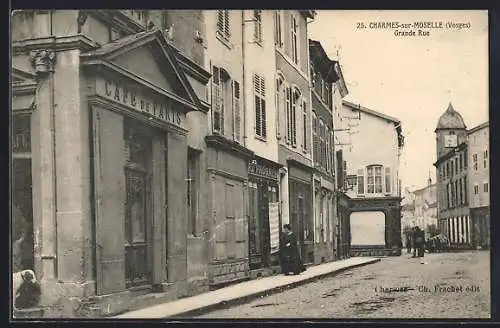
column 274, row 226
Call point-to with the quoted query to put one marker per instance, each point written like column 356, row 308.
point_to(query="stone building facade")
column 372, row 184
column 452, row 182
column 293, row 95
column 103, row 98
column 324, row 75
column 479, row 184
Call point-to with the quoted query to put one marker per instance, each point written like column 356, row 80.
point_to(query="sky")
column 412, row 78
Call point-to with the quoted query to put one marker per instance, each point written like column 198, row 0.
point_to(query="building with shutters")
column 325, row 79
column 452, row 182
column 293, row 101
column 227, row 157
column 260, row 122
column 104, row 103
column 479, row 184
column 371, row 195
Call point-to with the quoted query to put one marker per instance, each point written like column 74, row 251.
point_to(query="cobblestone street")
column 448, row 285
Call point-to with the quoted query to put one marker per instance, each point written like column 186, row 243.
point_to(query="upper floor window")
column 292, row 101
column 294, row 30
column 304, row 125
column 474, row 161
column 388, row 180
column 278, row 31
column 260, row 106
column 476, row 189
column 226, row 98
column 485, row 158
column 485, row 187
column 332, row 155
column 257, row 16
column 374, row 179
column 378, row 180
column 139, row 16
column 315, row 138
column 223, row 24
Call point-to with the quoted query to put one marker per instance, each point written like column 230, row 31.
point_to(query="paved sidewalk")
column 244, row 291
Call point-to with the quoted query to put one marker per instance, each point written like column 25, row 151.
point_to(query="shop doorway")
column 138, row 204
column 22, row 195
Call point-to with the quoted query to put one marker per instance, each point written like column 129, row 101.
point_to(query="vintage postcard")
column 251, row 164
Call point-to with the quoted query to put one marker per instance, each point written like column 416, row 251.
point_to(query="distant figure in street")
column 290, row 256
column 419, row 241
column 412, row 242
column 408, row 242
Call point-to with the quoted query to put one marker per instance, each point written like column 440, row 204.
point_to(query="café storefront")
column 138, row 97
column 98, row 144
column 264, row 214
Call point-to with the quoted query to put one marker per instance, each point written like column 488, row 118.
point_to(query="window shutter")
column 256, row 86
column 304, row 123
column 236, row 110
column 260, row 106
column 388, row 179
column 258, row 25
column 361, row 182
column 220, row 20
column 263, row 117
column 216, row 105
column 110, row 200
column 227, row 30
column 294, row 119
column 288, row 114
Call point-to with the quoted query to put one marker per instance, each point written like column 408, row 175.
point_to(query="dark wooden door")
column 264, row 224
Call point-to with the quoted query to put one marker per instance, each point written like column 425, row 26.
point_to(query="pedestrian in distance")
column 290, row 256
column 413, row 245
column 420, row 243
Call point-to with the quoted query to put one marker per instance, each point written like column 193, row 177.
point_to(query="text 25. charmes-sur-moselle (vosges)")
column 415, row 29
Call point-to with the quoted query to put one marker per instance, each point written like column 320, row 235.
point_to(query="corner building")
column 102, row 98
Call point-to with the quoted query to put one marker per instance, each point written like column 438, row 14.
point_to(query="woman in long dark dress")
column 290, row 256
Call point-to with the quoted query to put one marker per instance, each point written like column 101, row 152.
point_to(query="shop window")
column 192, row 190
column 22, row 195
column 137, row 185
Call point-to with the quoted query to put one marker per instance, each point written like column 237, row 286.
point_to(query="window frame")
column 294, row 27
column 257, row 16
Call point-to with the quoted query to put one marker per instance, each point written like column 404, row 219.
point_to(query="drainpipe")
column 244, row 81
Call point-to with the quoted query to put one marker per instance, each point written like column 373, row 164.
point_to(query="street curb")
column 273, row 290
